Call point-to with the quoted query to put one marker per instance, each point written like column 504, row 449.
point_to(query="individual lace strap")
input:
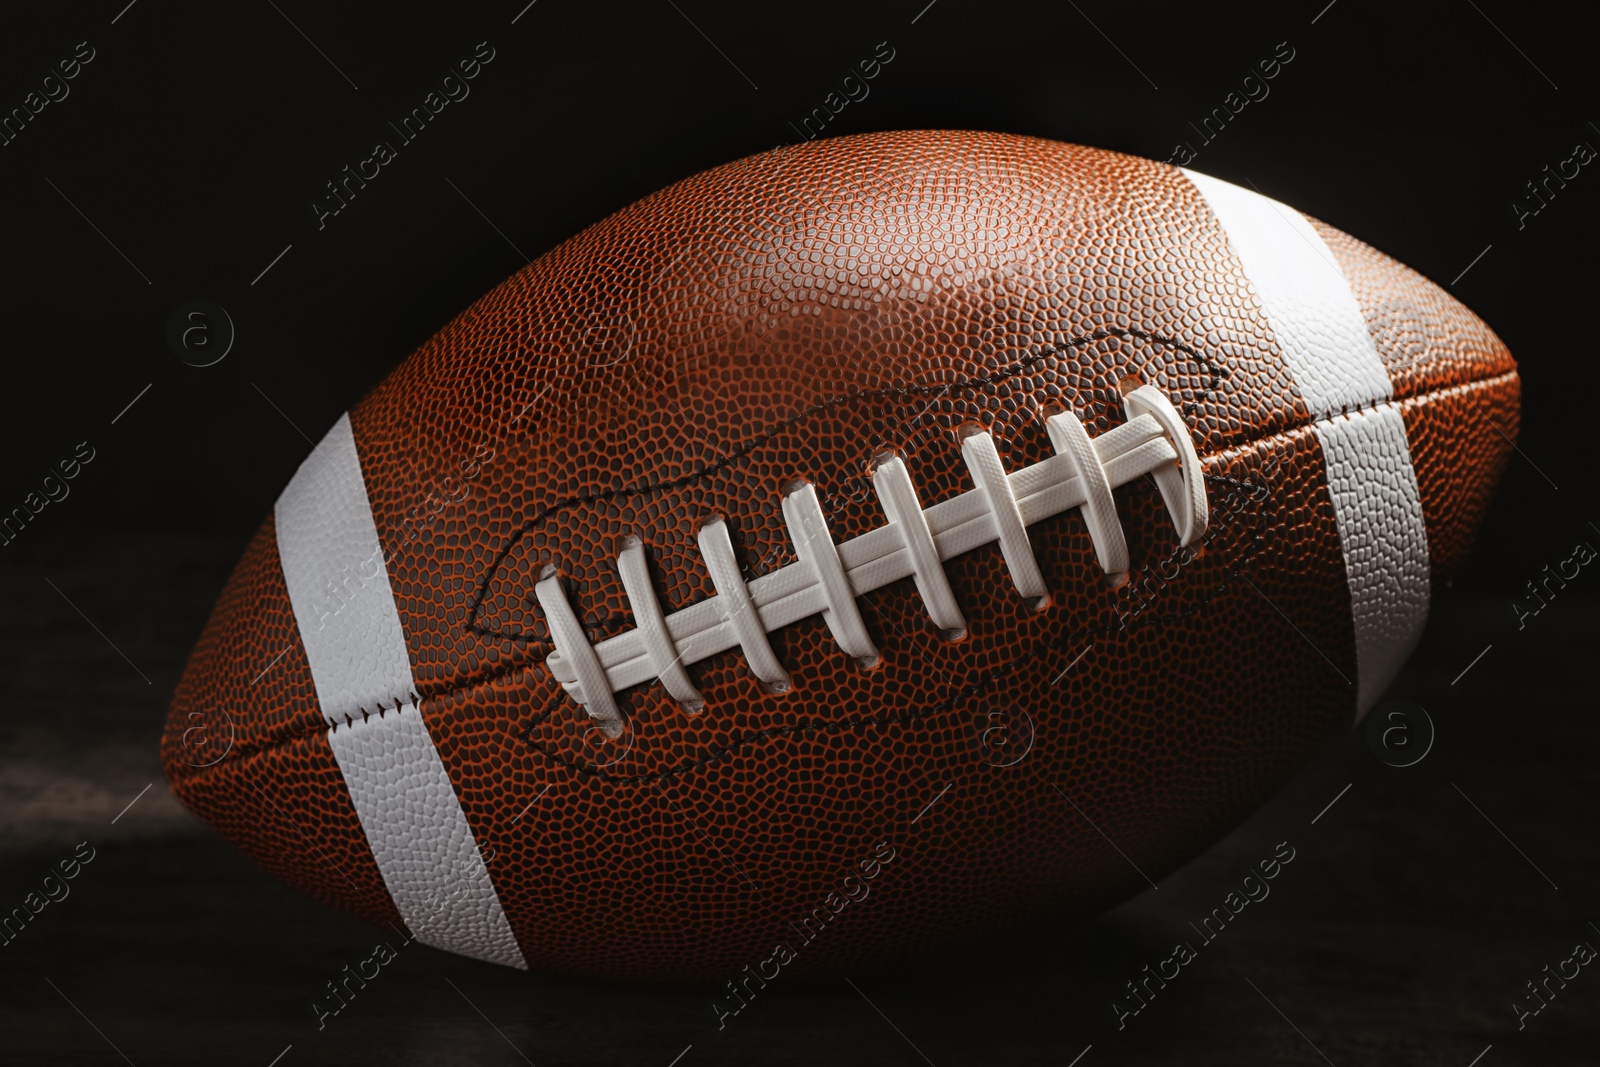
column 1071, row 442
column 826, row 578
column 738, row 611
column 665, row 659
column 808, row 531
column 983, row 463
column 1183, row 489
column 566, row 633
column 898, row 498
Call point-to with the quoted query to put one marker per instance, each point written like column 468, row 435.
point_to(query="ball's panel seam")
column 1378, row 507
column 420, row 838
column 338, row 584
column 1407, row 404
column 359, row 657
column 1326, row 342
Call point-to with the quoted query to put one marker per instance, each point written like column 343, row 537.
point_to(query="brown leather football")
column 864, row 548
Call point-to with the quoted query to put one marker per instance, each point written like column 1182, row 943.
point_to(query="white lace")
column 827, row 578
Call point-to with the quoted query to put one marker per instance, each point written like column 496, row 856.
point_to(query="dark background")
column 186, row 158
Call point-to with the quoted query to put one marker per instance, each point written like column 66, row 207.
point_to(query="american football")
column 861, row 550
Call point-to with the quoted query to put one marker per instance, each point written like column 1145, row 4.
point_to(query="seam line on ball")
column 528, row 667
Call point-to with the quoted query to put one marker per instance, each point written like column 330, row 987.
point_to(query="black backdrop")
column 181, row 162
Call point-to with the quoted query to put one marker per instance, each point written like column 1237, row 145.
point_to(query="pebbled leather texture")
column 791, row 316
column 333, row 568
column 338, row 581
column 1381, row 534
column 1305, row 297
column 420, row 841
column 1344, row 383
